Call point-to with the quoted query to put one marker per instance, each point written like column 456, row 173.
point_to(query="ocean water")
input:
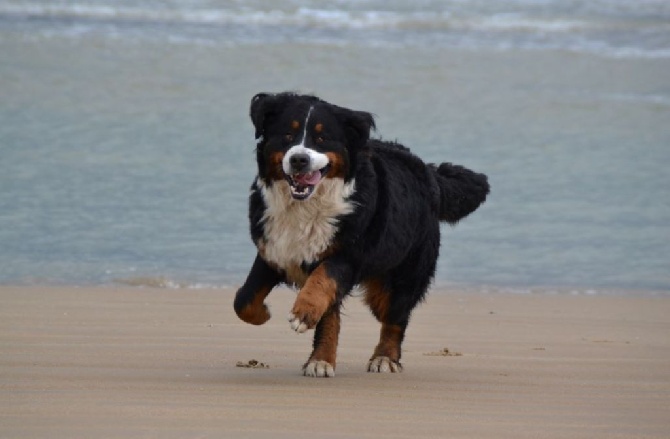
column 126, row 152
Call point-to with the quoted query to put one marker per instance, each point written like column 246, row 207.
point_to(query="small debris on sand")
column 253, row 364
column 444, row 353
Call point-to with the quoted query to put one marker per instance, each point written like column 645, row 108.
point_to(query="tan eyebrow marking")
column 295, row 125
column 318, row 128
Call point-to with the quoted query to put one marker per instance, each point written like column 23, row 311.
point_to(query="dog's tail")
column 461, row 191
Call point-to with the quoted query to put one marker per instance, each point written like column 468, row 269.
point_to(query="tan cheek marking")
column 337, row 165
column 275, row 171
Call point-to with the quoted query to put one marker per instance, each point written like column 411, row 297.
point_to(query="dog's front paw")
column 296, row 324
column 305, row 314
column 318, row 368
column 384, row 365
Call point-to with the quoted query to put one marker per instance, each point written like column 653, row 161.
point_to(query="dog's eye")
column 288, row 137
column 319, row 140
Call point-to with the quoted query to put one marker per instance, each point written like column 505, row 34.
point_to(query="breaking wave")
column 606, row 32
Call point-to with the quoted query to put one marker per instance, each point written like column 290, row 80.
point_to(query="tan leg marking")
column 314, row 299
column 376, row 298
column 390, row 338
column 274, row 167
column 257, row 312
column 324, row 356
column 387, row 353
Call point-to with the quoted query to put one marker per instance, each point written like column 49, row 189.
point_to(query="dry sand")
column 133, row 362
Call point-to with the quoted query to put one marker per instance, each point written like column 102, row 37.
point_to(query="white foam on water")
column 609, row 28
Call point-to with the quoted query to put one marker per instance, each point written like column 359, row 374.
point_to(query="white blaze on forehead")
column 316, row 159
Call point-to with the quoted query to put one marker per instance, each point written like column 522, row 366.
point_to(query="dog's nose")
column 299, row 162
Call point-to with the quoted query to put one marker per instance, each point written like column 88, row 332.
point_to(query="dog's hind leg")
column 249, row 299
column 386, row 357
column 392, row 300
column 322, row 361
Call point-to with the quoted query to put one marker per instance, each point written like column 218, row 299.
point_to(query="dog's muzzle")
column 302, row 179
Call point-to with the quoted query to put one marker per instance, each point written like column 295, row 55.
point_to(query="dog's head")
column 303, row 140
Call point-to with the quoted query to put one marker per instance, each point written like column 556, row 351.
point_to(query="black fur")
column 392, row 237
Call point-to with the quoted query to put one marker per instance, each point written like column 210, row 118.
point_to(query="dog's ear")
column 358, row 125
column 258, row 109
column 264, row 106
column 362, row 122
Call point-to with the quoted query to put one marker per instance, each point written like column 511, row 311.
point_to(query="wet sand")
column 139, row 362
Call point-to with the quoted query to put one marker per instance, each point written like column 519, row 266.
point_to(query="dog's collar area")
column 303, row 185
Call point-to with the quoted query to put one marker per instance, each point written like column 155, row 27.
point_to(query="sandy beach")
column 139, row 362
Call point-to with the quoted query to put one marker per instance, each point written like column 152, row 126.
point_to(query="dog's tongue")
column 308, row 179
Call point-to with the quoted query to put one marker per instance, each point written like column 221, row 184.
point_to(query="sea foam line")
column 302, row 16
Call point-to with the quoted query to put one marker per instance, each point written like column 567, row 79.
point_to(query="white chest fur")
column 299, row 231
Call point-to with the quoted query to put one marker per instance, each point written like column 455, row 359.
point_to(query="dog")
column 331, row 209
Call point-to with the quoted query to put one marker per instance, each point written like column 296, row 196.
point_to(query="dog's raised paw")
column 384, row 365
column 255, row 315
column 296, row 324
column 318, row 368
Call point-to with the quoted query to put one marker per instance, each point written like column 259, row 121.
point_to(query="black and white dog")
column 331, row 209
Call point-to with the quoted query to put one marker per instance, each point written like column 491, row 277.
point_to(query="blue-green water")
column 126, row 152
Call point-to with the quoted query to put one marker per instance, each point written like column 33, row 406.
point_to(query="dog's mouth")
column 303, row 185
